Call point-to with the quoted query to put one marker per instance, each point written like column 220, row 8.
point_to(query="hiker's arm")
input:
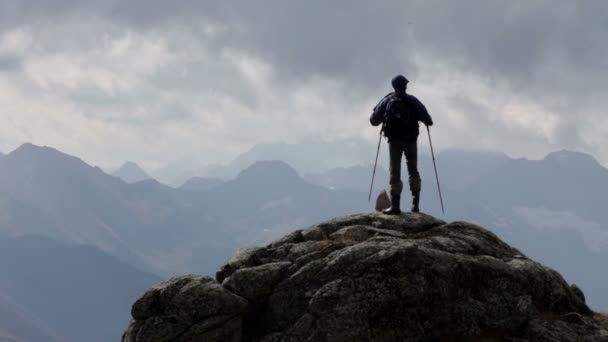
column 378, row 114
column 423, row 114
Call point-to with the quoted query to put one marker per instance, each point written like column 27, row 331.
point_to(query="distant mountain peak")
column 30, row 153
column 275, row 169
column 29, row 148
column 26, row 145
column 130, row 164
column 130, row 172
column 574, row 157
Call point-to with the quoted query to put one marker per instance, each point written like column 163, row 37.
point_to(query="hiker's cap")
column 399, row 82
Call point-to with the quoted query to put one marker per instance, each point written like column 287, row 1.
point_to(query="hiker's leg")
column 411, row 155
column 395, row 149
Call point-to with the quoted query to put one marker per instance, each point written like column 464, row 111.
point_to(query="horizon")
column 112, row 169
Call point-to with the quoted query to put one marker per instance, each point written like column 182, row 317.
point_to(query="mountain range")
column 44, row 192
column 550, row 209
column 312, row 155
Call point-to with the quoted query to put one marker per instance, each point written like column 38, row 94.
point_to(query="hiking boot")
column 394, row 209
column 415, row 187
column 415, row 202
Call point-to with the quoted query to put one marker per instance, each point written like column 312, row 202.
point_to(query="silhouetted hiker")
column 399, row 113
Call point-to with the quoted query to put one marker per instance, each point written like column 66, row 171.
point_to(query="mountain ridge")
column 200, row 184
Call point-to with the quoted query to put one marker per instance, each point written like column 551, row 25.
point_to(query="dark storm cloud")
column 539, row 46
column 358, row 40
column 547, row 53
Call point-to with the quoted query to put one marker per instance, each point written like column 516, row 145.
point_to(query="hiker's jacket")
column 416, row 109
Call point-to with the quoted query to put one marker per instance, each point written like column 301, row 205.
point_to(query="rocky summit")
column 371, row 277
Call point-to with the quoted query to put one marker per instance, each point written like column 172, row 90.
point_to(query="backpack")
column 398, row 117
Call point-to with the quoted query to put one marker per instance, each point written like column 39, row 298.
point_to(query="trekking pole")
column 375, row 163
column 435, row 165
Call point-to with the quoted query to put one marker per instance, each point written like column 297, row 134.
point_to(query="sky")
column 157, row 81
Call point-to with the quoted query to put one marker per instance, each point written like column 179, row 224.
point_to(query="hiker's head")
column 399, row 83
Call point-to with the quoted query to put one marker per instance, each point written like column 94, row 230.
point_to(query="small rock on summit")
column 371, row 277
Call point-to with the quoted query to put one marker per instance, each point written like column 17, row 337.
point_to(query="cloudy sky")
column 155, row 81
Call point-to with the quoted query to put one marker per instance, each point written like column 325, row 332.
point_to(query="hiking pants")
column 396, row 151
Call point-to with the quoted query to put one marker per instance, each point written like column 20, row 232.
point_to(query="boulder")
column 371, row 277
column 187, row 308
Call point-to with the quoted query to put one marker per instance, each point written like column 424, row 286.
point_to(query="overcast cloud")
column 156, row 81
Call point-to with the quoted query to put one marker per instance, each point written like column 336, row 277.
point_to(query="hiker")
column 399, row 113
